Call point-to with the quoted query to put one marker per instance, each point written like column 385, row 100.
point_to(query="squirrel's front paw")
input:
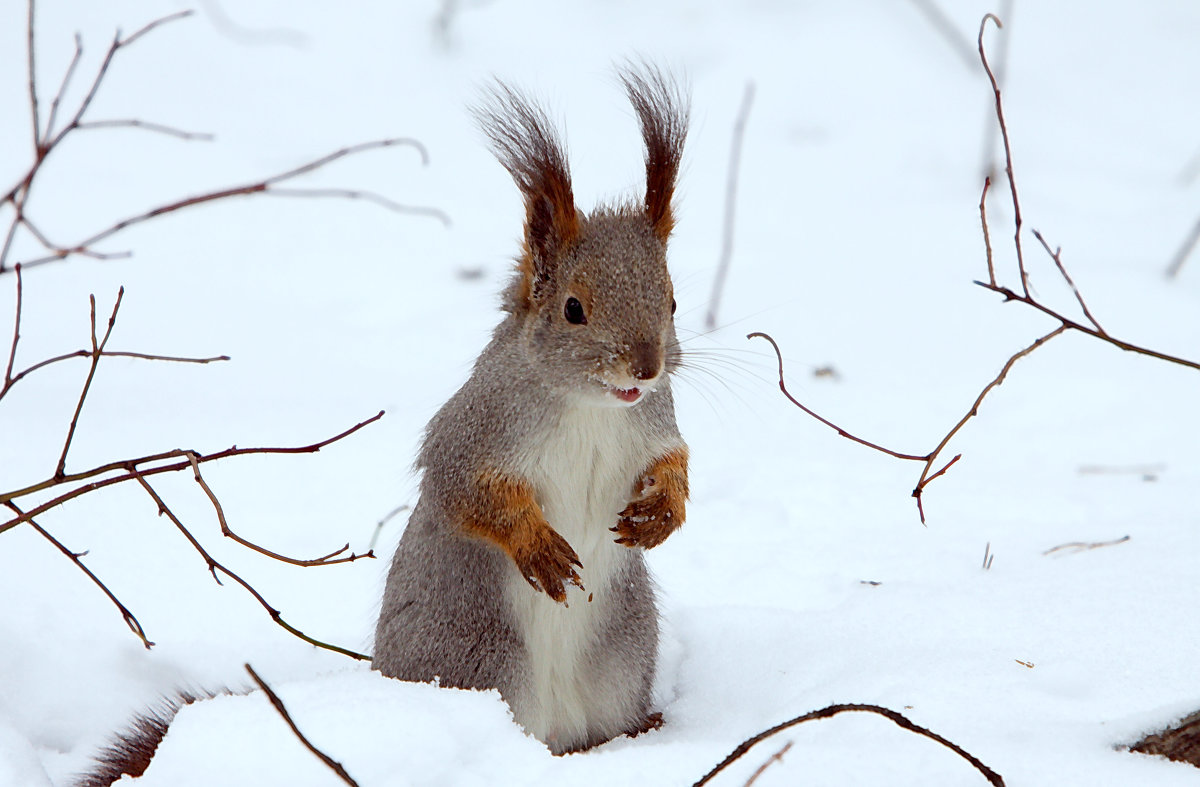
column 657, row 509
column 647, row 522
column 548, row 562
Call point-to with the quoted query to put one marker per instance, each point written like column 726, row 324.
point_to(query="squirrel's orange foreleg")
column 503, row 510
column 658, row 505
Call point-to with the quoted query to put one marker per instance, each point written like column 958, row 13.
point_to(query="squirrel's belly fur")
column 583, row 472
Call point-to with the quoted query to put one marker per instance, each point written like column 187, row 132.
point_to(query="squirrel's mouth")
column 627, row 395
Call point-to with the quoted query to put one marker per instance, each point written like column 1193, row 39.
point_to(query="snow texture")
column 802, row 577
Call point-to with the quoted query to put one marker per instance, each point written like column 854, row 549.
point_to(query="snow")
column 803, row 576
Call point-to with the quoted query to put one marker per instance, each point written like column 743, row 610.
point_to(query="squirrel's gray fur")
column 547, row 407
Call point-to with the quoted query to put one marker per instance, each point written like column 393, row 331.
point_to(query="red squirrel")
column 553, row 467
column 559, row 461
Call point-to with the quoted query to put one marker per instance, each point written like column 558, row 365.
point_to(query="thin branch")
column 366, row 196
column 930, row 458
column 731, row 182
column 214, row 567
column 97, row 349
column 1184, row 252
column 825, row 713
column 1084, row 546
column 1065, row 322
column 333, row 764
column 987, row 235
column 226, row 531
column 62, row 89
column 113, row 48
column 776, row 757
column 35, row 112
column 74, row 557
column 12, row 352
column 131, row 471
column 1008, row 165
column 144, row 125
column 386, row 518
column 1056, row 255
column 842, row 432
column 974, row 411
column 1001, row 57
column 266, row 185
column 106, row 354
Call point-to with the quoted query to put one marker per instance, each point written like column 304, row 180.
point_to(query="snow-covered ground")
column 803, row 576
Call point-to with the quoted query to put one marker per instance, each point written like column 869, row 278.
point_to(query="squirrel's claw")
column 647, row 522
column 548, row 565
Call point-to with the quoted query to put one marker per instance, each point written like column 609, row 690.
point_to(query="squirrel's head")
column 591, row 293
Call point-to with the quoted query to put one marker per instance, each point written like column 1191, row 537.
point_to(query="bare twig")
column 1024, row 296
column 144, row 125
column 62, row 89
column 996, row 382
column 991, row 129
column 47, row 138
column 287, row 717
column 266, row 185
column 735, row 156
column 1056, row 255
column 34, row 111
column 1084, row 546
column 226, row 531
column 1008, row 166
column 842, row 432
column 214, row 567
column 1184, row 252
column 75, row 557
column 12, row 352
column 1066, row 323
column 129, row 469
column 987, row 234
column 825, row 713
column 776, row 757
column 930, row 458
column 386, row 518
column 96, row 350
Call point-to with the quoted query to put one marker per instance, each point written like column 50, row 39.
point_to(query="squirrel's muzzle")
column 645, row 360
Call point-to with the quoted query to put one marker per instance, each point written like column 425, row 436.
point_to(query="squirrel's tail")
column 130, row 751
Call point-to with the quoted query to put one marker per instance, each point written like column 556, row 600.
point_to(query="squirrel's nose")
column 645, row 360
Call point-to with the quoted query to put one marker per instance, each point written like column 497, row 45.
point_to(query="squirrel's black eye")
column 574, row 312
column 672, row 306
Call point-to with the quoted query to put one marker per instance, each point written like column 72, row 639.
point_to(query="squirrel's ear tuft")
column 526, row 144
column 662, row 108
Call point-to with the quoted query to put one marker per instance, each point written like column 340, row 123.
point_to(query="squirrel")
column 559, row 460
column 550, row 471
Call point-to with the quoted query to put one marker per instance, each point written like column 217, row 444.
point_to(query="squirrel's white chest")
column 583, row 473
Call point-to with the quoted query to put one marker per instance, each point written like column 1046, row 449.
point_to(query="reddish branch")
column 1024, row 296
column 333, row 764
column 928, row 460
column 214, row 567
column 138, row 469
column 76, row 558
column 825, row 713
column 129, row 469
column 47, row 139
column 1008, row 165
